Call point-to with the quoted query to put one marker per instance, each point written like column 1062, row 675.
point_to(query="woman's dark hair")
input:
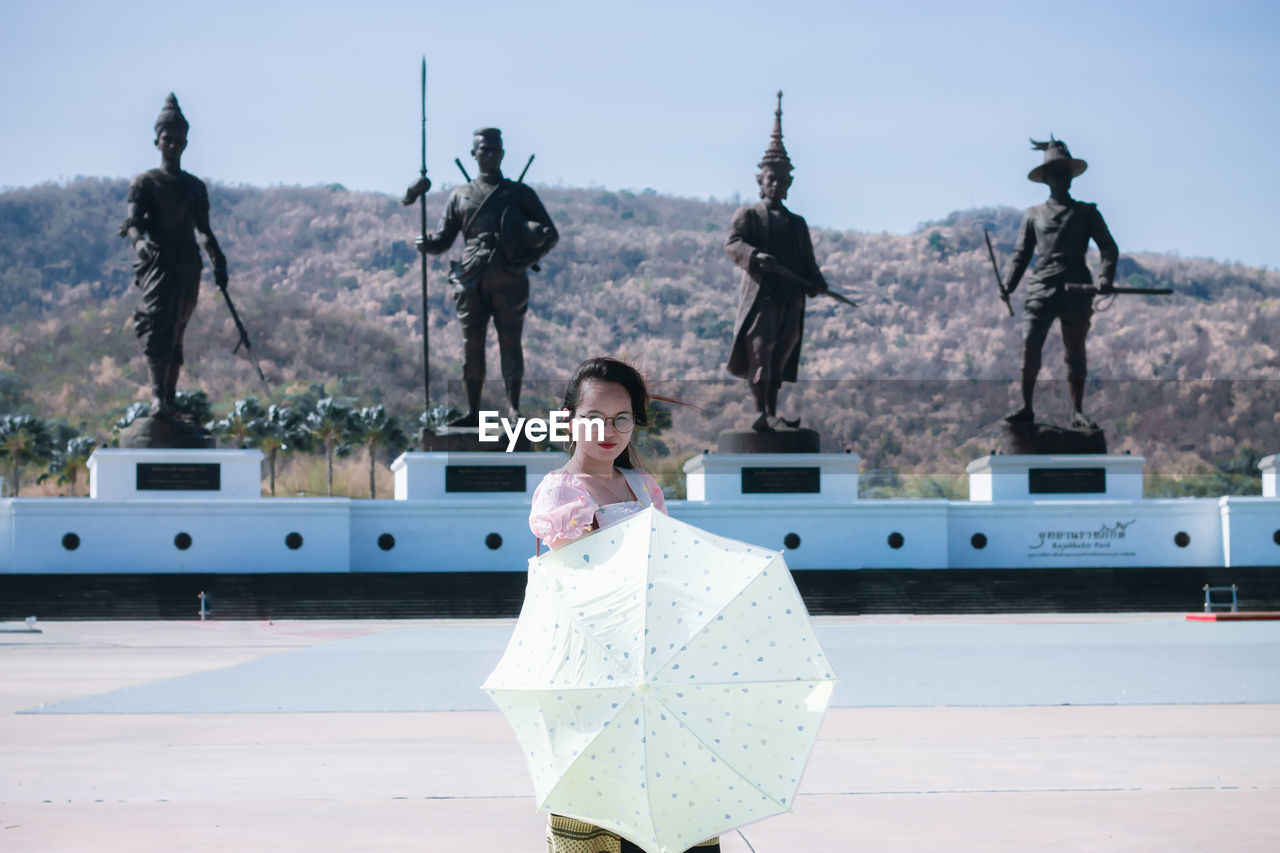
column 606, row 369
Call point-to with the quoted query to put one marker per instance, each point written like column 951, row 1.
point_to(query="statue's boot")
column 1079, row 420
column 171, row 387
column 780, row 423
column 159, row 382
column 1025, row 415
column 513, row 399
column 472, row 417
column 772, row 409
column 760, row 391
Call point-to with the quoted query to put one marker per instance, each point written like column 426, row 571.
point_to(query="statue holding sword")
column 773, row 247
column 168, row 208
column 168, row 212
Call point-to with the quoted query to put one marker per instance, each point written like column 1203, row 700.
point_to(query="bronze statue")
column 1058, row 232
column 506, row 231
column 167, row 209
column 773, row 247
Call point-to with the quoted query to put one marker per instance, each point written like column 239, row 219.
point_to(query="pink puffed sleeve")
column 562, row 510
column 655, row 492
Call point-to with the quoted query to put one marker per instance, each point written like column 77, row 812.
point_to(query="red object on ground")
column 1241, row 616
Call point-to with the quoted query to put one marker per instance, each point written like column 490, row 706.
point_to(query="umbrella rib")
column 710, row 619
column 622, row 708
column 714, row 751
column 578, row 625
column 608, row 652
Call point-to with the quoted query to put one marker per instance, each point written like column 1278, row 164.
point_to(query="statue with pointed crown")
column 168, row 209
column 1058, row 234
column 773, row 247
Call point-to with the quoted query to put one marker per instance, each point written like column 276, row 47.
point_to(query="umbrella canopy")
column 665, row 683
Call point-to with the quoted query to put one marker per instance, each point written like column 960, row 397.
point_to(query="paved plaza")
column 1137, row 732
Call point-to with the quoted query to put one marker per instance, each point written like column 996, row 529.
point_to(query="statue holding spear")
column 506, row 231
column 418, row 192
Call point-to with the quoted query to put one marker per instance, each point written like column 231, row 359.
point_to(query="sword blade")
column 809, row 286
column 991, row 253
column 244, row 342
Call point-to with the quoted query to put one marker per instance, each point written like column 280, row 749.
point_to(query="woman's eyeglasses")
column 624, row 422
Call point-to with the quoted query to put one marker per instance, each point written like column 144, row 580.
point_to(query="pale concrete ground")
column 1166, row 777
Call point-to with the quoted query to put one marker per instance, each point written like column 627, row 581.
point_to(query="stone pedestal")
column 1250, row 529
column 1270, row 468
column 173, row 433
column 768, row 478
column 465, row 440
column 768, row 441
column 1048, row 477
column 1046, row 438
column 155, row 474
column 468, row 477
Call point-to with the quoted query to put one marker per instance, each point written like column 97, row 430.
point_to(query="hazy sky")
column 894, row 112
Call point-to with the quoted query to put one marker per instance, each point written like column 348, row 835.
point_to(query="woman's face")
column 600, row 399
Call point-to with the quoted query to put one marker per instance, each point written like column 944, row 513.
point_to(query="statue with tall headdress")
column 168, row 210
column 1058, row 234
column 773, row 247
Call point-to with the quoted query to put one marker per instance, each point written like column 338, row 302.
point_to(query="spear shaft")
column 422, row 207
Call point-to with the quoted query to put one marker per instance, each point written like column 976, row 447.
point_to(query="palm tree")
column 330, row 424
column 194, row 404
column 73, row 458
column 374, row 428
column 23, row 439
column 437, row 416
column 282, row 428
column 241, row 425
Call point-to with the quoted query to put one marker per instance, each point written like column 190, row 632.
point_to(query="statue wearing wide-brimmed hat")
column 775, row 251
column 1058, row 234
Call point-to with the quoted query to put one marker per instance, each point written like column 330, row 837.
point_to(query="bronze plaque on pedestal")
column 781, row 481
column 484, row 478
column 179, row 477
column 1067, row 481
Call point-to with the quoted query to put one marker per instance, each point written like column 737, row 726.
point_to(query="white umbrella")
column 665, row 683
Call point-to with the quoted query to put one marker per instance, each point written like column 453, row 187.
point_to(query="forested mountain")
column 915, row 380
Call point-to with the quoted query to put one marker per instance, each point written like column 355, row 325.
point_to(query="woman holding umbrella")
column 600, row 485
